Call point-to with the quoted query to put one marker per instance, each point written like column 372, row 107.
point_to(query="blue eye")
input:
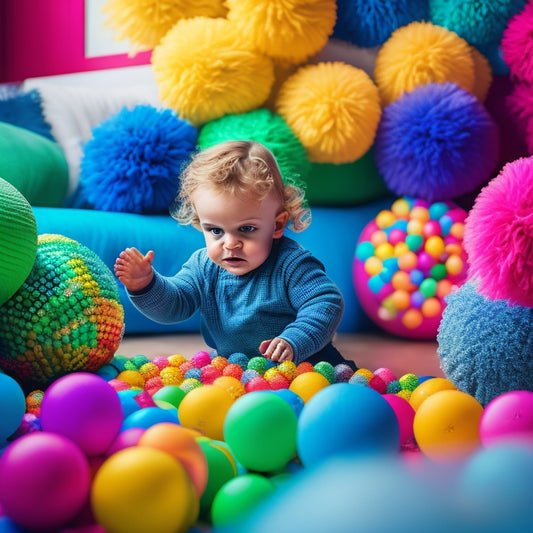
column 247, row 229
column 216, row 231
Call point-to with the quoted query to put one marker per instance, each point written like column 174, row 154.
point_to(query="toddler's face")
column 238, row 231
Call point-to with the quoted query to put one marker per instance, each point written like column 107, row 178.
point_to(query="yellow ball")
column 204, row 409
column 373, row 265
column 230, row 384
column 454, row 265
column 285, row 29
column 333, row 108
column 434, row 246
column 306, row 385
column 429, row 387
column 401, row 208
column 385, row 250
column 446, row 425
column 421, row 53
column 132, row 377
column 206, row 69
column 385, row 218
column 141, row 489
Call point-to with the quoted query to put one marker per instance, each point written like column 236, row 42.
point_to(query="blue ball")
column 149, row 416
column 346, row 418
column 12, row 406
column 291, row 398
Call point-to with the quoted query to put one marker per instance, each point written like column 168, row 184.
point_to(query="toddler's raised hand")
column 133, row 269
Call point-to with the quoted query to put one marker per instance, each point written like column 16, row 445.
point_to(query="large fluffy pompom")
column 485, row 347
column 334, row 110
column 368, row 23
column 285, row 29
column 437, row 143
column 517, row 45
column 145, row 22
column 477, row 21
column 206, row 68
column 499, row 235
column 421, row 53
column 268, row 128
column 133, row 160
column 520, row 104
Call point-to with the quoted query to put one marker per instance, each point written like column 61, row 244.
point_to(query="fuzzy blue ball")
column 437, row 143
column 370, row 23
column 485, row 346
column 133, row 161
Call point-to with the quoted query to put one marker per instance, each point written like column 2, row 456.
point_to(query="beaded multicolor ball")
column 66, row 316
column 407, row 260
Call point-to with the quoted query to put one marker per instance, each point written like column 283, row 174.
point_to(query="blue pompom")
column 368, row 23
column 485, row 346
column 437, row 142
column 132, row 162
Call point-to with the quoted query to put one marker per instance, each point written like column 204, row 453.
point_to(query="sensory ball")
column 65, row 317
column 407, row 260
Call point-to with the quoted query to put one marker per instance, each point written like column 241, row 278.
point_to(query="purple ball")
column 85, row 408
column 44, row 481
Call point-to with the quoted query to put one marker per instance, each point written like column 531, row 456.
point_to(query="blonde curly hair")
column 242, row 168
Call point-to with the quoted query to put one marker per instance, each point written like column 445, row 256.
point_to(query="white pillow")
column 73, row 112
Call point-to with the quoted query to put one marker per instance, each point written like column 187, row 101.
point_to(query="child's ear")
column 281, row 221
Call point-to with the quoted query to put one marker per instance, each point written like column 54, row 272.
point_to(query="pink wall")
column 46, row 37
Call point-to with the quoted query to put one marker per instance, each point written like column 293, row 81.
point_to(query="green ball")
column 221, row 467
column 18, row 240
column 260, row 429
column 326, row 369
column 172, row 394
column 238, row 497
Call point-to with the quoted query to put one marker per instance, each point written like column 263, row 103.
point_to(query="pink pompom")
column 499, row 235
column 520, row 104
column 517, row 45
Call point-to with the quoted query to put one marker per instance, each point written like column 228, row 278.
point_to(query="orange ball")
column 402, row 282
column 407, row 261
column 454, row 265
column 431, row 307
column 446, row 425
column 181, row 443
column 306, row 385
column 412, row 318
column 378, row 237
column 401, row 299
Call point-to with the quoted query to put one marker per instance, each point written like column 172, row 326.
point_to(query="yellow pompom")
column 333, row 108
column 483, row 75
column 145, row 22
column 206, row 69
column 421, row 53
column 285, row 29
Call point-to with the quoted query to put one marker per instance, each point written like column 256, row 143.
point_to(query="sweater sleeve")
column 171, row 299
column 318, row 303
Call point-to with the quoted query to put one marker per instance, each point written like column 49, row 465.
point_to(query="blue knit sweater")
column 288, row 296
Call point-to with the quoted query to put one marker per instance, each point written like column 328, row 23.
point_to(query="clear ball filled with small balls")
column 407, row 260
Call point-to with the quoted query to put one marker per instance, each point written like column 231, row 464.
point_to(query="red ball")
column 258, row 383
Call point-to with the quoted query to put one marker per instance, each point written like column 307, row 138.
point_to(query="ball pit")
column 220, row 442
column 407, row 260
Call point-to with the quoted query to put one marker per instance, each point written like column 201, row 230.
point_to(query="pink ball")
column 405, row 414
column 508, row 416
column 44, row 481
column 201, row 359
column 125, row 439
column 85, row 408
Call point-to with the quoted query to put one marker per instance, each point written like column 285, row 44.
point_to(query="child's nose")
column 232, row 241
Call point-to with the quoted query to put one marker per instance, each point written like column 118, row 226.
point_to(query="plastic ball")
column 405, row 414
column 44, row 481
column 345, row 418
column 232, row 385
column 65, row 317
column 221, row 467
column 446, row 425
column 12, row 406
column 84, row 408
column 204, row 409
column 406, row 295
column 427, row 388
column 506, row 417
column 149, row 416
column 18, row 239
column 141, row 489
column 260, row 429
column 257, row 383
column 171, row 394
column 306, row 385
column 181, row 444
column 291, row 398
column 238, row 497
column 125, row 439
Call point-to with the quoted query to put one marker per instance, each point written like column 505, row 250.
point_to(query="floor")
column 370, row 351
